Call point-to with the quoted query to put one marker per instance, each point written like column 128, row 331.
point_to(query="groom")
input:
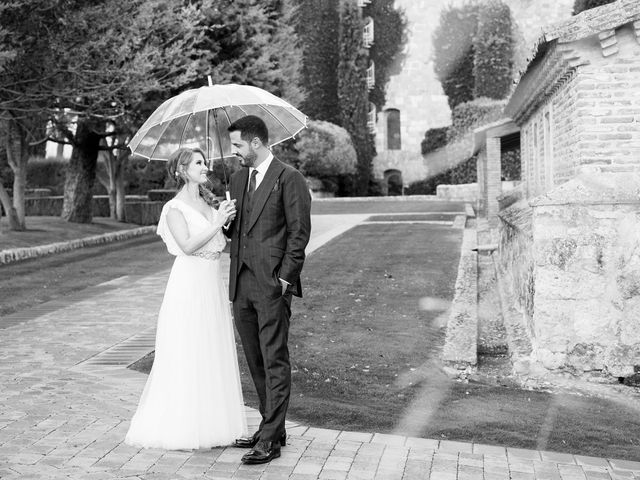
column 268, row 238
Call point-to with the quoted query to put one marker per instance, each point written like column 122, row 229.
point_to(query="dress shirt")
column 262, row 170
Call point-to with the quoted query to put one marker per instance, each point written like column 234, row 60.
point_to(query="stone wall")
column 586, row 248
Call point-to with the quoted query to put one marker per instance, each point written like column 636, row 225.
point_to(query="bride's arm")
column 189, row 244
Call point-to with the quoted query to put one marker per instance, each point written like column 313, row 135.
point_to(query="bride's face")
column 197, row 170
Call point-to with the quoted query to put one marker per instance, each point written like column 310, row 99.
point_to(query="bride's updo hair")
column 178, row 163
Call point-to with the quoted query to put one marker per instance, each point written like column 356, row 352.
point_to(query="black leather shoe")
column 263, row 452
column 249, row 442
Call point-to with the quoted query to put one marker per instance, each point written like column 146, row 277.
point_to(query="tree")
column 582, row 5
column 317, row 26
column 353, row 95
column 155, row 41
column 454, row 52
column 390, row 36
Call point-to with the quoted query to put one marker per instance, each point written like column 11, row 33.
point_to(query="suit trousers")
column 263, row 326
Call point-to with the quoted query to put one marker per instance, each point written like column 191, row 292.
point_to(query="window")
column 393, row 129
column 548, row 148
column 367, row 33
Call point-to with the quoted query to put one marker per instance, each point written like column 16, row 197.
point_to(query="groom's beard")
column 249, row 160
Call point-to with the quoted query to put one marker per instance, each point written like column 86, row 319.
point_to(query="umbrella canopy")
column 200, row 118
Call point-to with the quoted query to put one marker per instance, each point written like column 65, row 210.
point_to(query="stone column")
column 493, row 180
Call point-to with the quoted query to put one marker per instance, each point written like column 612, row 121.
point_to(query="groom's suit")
column 268, row 238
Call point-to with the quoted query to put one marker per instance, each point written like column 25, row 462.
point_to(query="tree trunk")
column 123, row 156
column 81, row 174
column 17, row 156
column 9, row 209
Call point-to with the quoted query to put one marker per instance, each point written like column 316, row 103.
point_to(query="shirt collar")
column 264, row 166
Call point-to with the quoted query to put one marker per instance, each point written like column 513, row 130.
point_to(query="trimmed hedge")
column 434, row 138
column 473, row 51
column 582, row 5
column 469, row 115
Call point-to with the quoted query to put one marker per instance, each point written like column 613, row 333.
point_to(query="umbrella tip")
column 210, row 80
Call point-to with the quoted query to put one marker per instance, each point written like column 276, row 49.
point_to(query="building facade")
column 578, row 110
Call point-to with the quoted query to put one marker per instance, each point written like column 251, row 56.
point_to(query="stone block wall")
column 586, row 247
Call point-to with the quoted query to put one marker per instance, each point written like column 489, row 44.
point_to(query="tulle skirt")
column 193, row 397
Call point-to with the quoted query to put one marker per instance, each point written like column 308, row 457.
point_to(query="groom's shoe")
column 248, row 442
column 251, row 441
column 263, row 452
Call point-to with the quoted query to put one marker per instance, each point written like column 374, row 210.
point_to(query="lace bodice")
column 196, row 223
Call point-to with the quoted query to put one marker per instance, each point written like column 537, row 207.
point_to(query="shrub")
column 434, row 138
column 582, row 5
column 493, row 44
column 469, row 115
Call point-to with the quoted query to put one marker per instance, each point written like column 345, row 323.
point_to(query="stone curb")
column 19, row 254
column 460, row 352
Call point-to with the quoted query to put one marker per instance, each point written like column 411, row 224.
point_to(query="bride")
column 192, row 398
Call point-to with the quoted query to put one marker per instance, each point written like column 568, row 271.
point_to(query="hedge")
column 469, row 115
column 582, row 5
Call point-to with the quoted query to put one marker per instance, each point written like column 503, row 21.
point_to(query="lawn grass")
column 44, row 230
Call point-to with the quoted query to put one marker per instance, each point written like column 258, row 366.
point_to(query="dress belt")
column 207, row 255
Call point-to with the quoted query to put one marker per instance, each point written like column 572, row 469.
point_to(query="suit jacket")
column 278, row 229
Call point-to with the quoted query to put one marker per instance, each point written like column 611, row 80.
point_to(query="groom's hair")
column 249, row 128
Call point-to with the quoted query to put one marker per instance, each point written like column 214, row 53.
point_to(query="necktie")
column 252, row 186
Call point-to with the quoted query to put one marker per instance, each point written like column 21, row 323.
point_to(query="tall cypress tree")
column 353, row 95
column 317, row 27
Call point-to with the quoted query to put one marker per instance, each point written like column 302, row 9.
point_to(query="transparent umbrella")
column 200, row 118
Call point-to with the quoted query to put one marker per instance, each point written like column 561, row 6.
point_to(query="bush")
column 465, row 172
column 493, row 59
column 469, row 115
column 582, row 5
column 434, row 138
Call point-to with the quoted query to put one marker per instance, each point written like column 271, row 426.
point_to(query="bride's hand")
column 227, row 210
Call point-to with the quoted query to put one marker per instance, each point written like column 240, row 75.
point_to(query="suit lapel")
column 262, row 192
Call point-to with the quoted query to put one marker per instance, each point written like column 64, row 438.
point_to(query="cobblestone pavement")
column 66, row 398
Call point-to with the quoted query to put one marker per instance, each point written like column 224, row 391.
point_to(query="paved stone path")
column 65, row 408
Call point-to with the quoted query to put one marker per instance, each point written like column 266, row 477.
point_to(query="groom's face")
column 242, row 149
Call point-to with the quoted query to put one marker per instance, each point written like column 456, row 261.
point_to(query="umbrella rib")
column 184, row 129
column 275, row 118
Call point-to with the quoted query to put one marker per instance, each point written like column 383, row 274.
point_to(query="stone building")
column 571, row 246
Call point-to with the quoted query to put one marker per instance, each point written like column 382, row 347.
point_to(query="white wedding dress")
column 192, row 398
